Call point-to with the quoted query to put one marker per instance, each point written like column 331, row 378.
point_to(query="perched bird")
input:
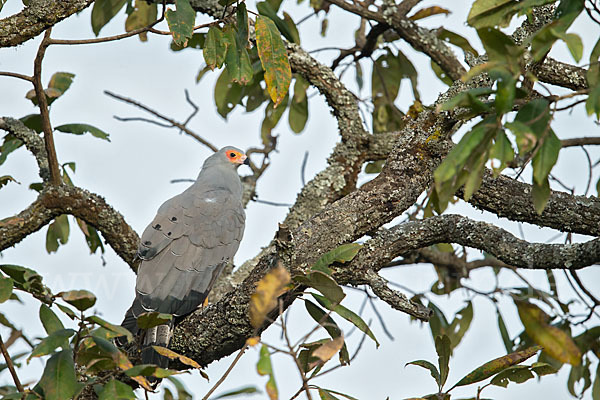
column 192, row 238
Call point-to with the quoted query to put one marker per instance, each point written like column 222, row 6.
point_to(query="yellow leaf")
column 163, row 351
column 268, row 289
column 329, row 348
column 428, row 12
column 253, row 341
column 556, row 342
column 274, row 59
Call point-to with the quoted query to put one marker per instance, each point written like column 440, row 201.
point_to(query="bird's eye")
column 232, row 155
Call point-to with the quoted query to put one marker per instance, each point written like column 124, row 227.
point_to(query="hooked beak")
column 246, row 160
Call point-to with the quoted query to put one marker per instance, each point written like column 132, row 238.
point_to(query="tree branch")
column 40, row 94
column 421, row 39
column 38, row 16
column 404, row 238
column 93, row 209
column 564, row 212
column 32, row 142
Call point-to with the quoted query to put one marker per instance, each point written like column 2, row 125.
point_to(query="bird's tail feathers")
column 157, row 336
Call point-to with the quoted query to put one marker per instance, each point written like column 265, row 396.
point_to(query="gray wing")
column 184, row 249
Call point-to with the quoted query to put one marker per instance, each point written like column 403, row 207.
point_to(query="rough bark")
column 35, row 18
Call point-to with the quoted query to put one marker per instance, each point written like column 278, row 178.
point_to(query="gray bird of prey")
column 192, row 238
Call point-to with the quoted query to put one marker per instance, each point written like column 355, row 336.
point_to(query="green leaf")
column 464, row 159
column 502, row 52
column 341, row 254
column 593, row 74
column 58, row 380
column 592, row 104
column 70, row 313
column 556, row 342
column 80, row 299
column 456, row 39
column 575, row 45
column 385, row 78
column 49, row 319
column 540, row 195
column 115, row 389
column 298, row 114
column 264, row 367
column 432, row 369
column 502, row 151
column 497, row 365
column 26, row 279
column 6, row 286
column 181, row 22
column 441, row 74
column 324, row 284
column 265, row 9
column 58, row 232
column 142, row 16
column 443, row 350
column 80, row 129
column 237, row 392
column 499, row 12
column 237, row 58
column 274, row 59
column 272, row 117
column 328, row 392
column 227, row 93
column 329, row 325
column 151, row 319
column 92, row 237
column 517, row 374
column 545, row 157
column 103, row 12
column 215, row 48
column 61, row 81
column 242, row 25
column 596, row 386
column 9, row 145
column 56, row 339
column 292, row 30
column 544, row 39
column 508, row 343
column 460, row 325
column 116, row 329
column 347, row 314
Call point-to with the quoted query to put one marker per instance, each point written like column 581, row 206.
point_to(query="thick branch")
column 561, row 74
column 511, row 199
column 32, row 142
column 93, row 209
column 38, row 16
column 404, row 238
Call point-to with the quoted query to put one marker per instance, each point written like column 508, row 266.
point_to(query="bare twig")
column 582, row 141
column 173, row 123
column 16, row 75
column 272, row 203
column 43, row 104
column 303, row 168
column 11, row 366
column 222, row 379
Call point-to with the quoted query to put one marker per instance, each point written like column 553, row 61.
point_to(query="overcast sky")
column 134, row 170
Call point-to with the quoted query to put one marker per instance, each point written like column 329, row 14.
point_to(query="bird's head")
column 229, row 156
